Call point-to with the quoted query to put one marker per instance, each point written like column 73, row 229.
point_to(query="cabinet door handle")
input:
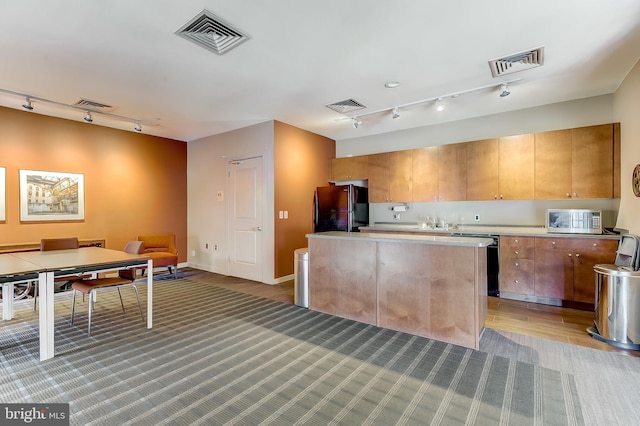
column 568, row 195
column 516, row 281
column 595, row 244
column 516, row 264
column 553, row 243
column 516, row 241
column 570, row 255
column 516, row 252
column 577, row 254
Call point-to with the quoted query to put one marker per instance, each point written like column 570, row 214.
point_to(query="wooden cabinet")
column 350, row 168
column 552, row 159
column 400, row 176
column 517, row 265
column 379, row 178
column 482, row 170
column 501, row 169
column 425, row 174
column 575, row 163
column 592, row 161
column 516, row 167
column 390, row 177
column 452, row 172
column 564, row 266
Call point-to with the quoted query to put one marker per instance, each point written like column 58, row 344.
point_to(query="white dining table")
column 47, row 265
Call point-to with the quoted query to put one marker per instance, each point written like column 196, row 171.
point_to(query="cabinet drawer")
column 550, row 243
column 517, row 276
column 515, row 242
column 595, row 245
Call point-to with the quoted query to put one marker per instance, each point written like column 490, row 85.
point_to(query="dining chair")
column 47, row 244
column 90, row 286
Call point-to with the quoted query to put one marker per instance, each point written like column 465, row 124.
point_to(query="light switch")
column 286, row 214
column 281, row 214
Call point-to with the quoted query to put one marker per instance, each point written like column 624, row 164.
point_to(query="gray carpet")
column 216, row 356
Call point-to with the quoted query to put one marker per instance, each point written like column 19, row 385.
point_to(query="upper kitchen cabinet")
column 350, row 168
column 452, row 172
column 575, row 163
column 482, row 170
column 592, row 161
column 401, row 176
column 425, row 174
column 379, row 178
column 390, row 176
column 552, row 163
column 516, row 167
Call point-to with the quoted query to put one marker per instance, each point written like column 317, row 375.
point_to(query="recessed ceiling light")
column 391, row 84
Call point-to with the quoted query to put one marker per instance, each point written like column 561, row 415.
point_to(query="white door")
column 245, row 218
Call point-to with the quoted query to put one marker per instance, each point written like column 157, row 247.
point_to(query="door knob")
column 258, row 228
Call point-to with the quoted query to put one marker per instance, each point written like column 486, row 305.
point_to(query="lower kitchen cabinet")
column 564, row 266
column 543, row 268
column 517, row 265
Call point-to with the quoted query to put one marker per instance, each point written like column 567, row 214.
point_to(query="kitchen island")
column 431, row 286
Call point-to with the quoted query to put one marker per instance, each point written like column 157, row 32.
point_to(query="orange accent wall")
column 301, row 163
column 134, row 183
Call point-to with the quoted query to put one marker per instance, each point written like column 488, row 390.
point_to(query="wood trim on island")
column 434, row 287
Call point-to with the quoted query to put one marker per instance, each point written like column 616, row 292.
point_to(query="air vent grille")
column 93, row 105
column 517, row 62
column 346, row 106
column 212, row 33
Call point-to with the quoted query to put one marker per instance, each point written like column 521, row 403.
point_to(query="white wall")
column 564, row 115
column 207, row 160
column 627, row 112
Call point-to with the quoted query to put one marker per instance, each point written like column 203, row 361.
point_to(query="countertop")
column 406, row 238
column 524, row 231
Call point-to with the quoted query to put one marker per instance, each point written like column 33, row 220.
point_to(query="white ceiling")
column 303, row 55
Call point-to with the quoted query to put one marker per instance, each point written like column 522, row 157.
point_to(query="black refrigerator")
column 340, row 208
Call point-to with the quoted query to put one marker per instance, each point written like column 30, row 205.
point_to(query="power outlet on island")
column 476, row 217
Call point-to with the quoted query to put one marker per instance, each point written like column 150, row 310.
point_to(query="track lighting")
column 439, row 100
column 504, row 90
column 27, row 104
column 29, row 100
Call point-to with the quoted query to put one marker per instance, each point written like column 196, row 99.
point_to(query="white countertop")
column 405, row 238
column 525, row 231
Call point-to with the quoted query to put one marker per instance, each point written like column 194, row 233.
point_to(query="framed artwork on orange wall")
column 3, row 194
column 47, row 196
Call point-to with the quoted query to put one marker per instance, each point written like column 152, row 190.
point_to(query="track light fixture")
column 439, row 101
column 29, row 99
column 27, row 104
column 504, row 90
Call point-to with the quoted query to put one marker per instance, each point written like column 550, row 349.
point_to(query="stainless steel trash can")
column 301, row 277
column 617, row 307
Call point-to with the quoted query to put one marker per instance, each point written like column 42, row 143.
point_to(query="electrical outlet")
column 215, row 247
column 193, row 253
column 476, row 218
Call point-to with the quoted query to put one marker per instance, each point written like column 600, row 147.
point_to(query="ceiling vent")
column 93, row 106
column 517, row 62
column 212, row 33
column 346, row 106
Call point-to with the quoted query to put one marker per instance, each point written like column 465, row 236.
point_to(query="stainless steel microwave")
column 574, row 221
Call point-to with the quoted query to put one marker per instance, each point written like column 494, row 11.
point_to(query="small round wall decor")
column 635, row 181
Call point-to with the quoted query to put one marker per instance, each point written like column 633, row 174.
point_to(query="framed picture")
column 3, row 194
column 46, row 196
